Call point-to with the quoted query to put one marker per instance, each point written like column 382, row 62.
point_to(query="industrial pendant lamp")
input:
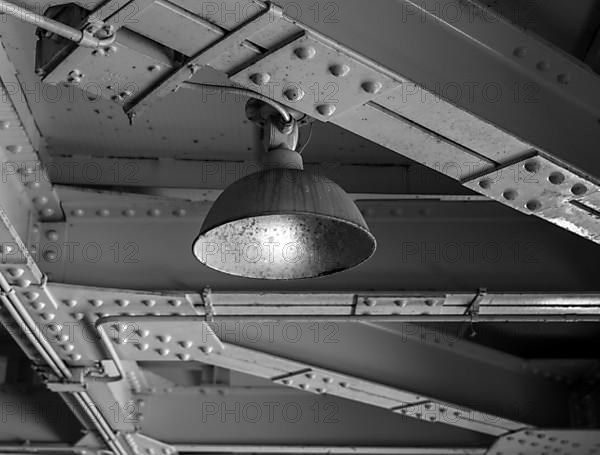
column 283, row 223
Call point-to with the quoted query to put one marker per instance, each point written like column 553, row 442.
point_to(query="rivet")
column 7, row 249
column 304, row 386
column 32, row 295
column 70, row 303
column 485, row 184
column 110, row 49
column 579, row 189
column 33, row 185
column 400, row 303
column 143, row 346
column 339, row 70
column 370, row 302
column 4, row 125
column 563, row 78
column 206, row 349
column 532, row 167
column 129, row 212
column 42, row 200
column 16, row 272
column 38, row 306
column 175, row 302
column 143, row 333
column 510, row 195
column 96, row 302
column 186, row 344
column 14, row 148
column 430, row 302
column 309, row 375
column 54, row 328
column 556, row 178
column 534, row 205
column 22, row 283
column 520, row 51
column 294, row 94
column 47, row 212
column 163, row 351
column 78, row 212
column 48, row 317
column 326, row 110
column 154, row 68
column 327, row 380
column 164, row 338
column 260, row 78
column 75, row 357
column 98, row 53
column 154, row 212
column 103, row 212
column 287, row 382
column 184, row 357
column 78, row 316
column 69, row 348
column 305, row 53
column 372, row 87
column 52, row 235
column 543, row 65
column 122, row 303
column 180, row 212
column 149, row 303
column 126, row 94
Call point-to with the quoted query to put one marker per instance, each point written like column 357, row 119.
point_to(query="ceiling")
column 468, row 307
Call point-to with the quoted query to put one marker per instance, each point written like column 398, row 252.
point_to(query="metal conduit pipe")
column 27, row 326
column 82, row 38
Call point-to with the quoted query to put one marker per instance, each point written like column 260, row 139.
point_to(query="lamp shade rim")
column 368, row 240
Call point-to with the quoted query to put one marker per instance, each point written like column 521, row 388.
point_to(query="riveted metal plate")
column 164, row 340
column 118, row 72
column 538, row 442
column 324, row 382
column 143, row 445
column 21, row 165
column 315, row 78
column 538, row 186
column 408, row 305
column 66, row 315
column 435, row 412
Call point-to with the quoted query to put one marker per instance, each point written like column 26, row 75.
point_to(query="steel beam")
column 198, row 174
column 466, row 246
column 23, row 168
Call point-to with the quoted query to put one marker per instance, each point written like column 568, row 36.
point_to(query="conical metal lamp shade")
column 284, row 224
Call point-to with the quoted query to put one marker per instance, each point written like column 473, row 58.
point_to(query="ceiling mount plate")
column 315, row 78
column 549, row 190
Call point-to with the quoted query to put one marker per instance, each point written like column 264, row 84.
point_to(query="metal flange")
column 547, row 189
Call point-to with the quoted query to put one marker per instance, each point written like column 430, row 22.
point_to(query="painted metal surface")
column 407, row 378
